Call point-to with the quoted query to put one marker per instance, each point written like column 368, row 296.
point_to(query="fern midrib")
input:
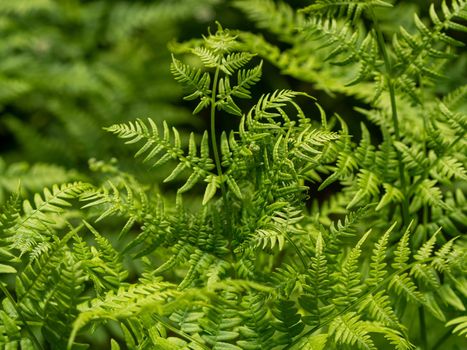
column 217, row 160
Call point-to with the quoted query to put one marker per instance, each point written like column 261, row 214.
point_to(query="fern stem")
column 395, row 120
column 217, row 160
column 18, row 311
column 299, row 253
column 423, row 335
column 435, row 162
column 442, row 339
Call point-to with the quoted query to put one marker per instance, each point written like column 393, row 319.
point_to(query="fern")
column 285, row 224
column 41, row 216
column 348, row 329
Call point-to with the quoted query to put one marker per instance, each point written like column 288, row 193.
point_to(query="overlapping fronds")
column 37, row 222
column 299, row 231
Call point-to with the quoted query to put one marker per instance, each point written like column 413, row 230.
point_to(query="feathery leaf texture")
column 298, row 231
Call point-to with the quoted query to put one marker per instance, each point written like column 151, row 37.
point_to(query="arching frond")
column 350, row 330
column 40, row 216
column 170, row 144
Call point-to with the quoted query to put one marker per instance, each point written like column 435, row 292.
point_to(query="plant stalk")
column 395, row 120
column 423, row 335
column 218, row 161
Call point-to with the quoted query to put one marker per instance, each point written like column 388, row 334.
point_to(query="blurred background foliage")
column 68, row 68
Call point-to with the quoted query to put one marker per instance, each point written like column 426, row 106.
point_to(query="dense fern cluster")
column 249, row 253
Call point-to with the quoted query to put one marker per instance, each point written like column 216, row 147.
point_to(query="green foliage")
column 96, row 53
column 288, row 229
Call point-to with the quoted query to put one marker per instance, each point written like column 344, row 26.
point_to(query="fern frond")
column 200, row 165
column 460, row 324
column 312, row 342
column 221, row 324
column 367, row 187
column 380, row 308
column 197, row 82
column 235, row 61
column 348, row 329
column 353, row 9
column 62, row 299
column 346, row 159
column 186, row 319
column 275, row 226
column 288, row 322
column 441, row 260
column 457, row 121
column 9, row 215
column 346, row 46
column 287, row 279
column 403, row 285
column 391, row 195
column 414, row 50
column 274, row 102
column 423, row 271
column 36, row 278
column 277, row 17
column 431, row 194
column 378, row 265
column 106, row 260
column 256, row 328
column 395, row 337
column 386, row 162
column 402, row 252
column 39, row 217
column 245, row 79
column 348, row 279
column 344, row 229
column 33, row 178
column 129, row 301
column 199, row 263
column 209, row 59
column 449, row 167
column 154, row 232
column 415, row 161
column 309, row 142
column 318, row 287
column 114, row 201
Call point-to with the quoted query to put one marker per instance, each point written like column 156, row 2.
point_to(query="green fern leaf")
column 378, row 266
column 349, row 286
column 41, row 215
column 379, row 307
column 235, row 61
column 402, row 252
column 348, row 329
column 461, row 325
column 197, row 83
column 288, row 321
column 200, row 166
